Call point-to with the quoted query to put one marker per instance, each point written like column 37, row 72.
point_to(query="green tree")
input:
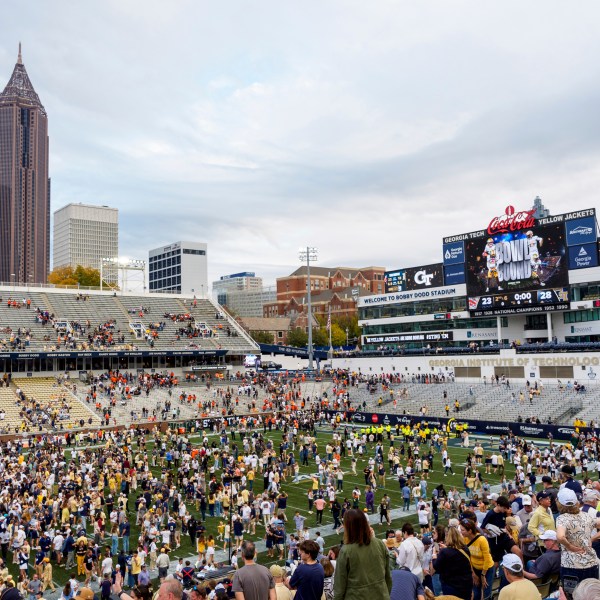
column 321, row 337
column 298, row 338
column 87, row 276
column 262, row 337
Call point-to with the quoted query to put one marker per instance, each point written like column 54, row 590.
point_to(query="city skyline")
column 358, row 130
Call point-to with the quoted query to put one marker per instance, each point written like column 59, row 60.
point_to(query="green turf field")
column 297, row 493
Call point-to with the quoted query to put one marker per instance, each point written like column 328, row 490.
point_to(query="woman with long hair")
column 362, row 569
column 67, row 592
column 452, row 562
column 481, row 559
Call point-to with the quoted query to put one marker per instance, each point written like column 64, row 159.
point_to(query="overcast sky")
column 367, row 129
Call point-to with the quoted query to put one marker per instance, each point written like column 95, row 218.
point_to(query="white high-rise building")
column 85, row 234
column 243, row 294
column 179, row 268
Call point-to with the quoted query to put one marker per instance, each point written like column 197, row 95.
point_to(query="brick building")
column 336, row 287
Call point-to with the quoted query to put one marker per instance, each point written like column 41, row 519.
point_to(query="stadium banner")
column 402, row 297
column 583, row 257
column 581, row 231
column 518, row 264
column 415, row 336
column 454, row 253
column 117, row 354
column 451, row 424
column 291, row 351
column 414, row 278
column 454, row 274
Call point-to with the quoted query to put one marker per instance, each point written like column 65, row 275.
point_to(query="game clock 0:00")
column 521, row 299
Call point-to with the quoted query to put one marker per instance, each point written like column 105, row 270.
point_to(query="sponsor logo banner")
column 454, row 274
column 583, row 257
column 581, row 231
column 511, row 221
column 454, row 253
column 528, row 430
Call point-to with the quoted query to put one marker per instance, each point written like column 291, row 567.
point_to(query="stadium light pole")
column 307, row 254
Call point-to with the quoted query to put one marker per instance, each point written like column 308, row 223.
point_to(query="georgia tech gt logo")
column 423, row 277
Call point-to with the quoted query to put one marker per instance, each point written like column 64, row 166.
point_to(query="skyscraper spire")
column 19, row 89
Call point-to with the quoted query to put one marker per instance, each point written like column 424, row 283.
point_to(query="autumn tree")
column 82, row 276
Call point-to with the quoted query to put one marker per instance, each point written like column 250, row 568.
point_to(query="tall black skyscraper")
column 24, row 182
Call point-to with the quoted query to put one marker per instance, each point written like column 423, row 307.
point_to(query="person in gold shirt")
column 281, row 590
column 481, row 559
column 47, row 575
column 518, row 587
column 542, row 519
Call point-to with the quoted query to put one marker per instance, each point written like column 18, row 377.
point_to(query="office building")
column 24, row 182
column 243, row 294
column 84, row 235
column 179, row 268
column 236, row 282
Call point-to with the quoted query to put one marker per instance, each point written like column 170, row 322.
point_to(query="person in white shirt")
column 265, row 508
column 107, row 564
column 424, row 513
column 410, row 553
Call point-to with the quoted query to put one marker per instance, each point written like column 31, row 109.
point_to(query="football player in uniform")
column 489, row 247
column 532, row 243
column 536, row 269
column 492, row 272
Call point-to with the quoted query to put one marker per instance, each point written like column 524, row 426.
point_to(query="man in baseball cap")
column 518, row 586
column 548, row 563
column 542, row 519
column 567, row 473
column 548, row 487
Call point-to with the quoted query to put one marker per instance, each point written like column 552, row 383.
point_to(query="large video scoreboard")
column 520, row 263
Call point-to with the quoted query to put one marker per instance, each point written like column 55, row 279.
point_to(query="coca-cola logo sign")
column 511, row 221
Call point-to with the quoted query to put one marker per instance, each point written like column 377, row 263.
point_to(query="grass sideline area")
column 297, row 493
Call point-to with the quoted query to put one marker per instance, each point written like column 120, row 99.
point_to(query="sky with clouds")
column 367, row 129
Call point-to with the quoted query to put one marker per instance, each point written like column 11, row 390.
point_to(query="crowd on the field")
column 112, row 507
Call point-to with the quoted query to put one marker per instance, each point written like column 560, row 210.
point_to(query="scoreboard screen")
column 517, row 265
column 522, row 301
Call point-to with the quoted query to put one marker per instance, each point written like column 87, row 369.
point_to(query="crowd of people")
column 112, row 508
